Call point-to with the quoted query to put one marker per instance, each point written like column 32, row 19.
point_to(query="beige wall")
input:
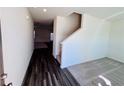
column 17, row 38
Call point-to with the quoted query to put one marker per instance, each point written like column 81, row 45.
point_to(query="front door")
column 1, row 61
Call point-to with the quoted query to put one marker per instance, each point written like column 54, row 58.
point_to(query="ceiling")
column 108, row 13
column 47, row 17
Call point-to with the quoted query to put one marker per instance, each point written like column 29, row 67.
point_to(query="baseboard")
column 83, row 62
column 114, row 59
column 96, row 60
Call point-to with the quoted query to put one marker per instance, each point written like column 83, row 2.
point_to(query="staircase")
column 64, row 28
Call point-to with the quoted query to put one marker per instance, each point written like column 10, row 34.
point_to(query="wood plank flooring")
column 44, row 70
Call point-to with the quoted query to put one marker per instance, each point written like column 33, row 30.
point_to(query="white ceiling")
column 109, row 13
column 46, row 17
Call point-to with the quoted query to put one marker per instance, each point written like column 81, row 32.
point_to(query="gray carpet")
column 87, row 73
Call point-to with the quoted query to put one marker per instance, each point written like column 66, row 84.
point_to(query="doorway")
column 43, row 36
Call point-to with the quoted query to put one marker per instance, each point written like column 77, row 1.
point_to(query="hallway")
column 45, row 71
column 31, row 44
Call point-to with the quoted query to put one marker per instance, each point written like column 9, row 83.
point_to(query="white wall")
column 17, row 38
column 63, row 27
column 116, row 41
column 88, row 43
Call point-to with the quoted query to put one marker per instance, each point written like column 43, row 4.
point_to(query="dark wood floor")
column 45, row 71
